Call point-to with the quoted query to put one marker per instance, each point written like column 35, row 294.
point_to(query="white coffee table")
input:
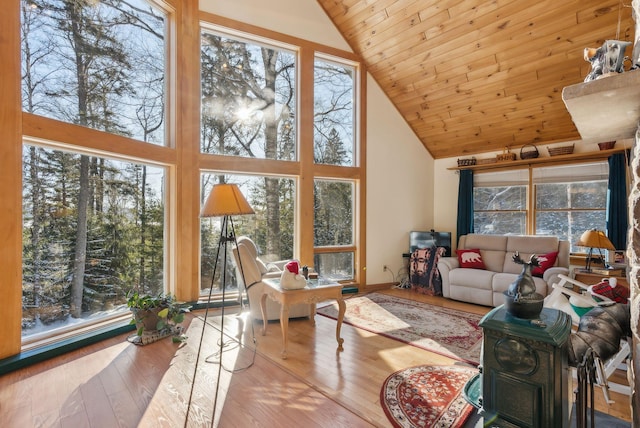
column 316, row 291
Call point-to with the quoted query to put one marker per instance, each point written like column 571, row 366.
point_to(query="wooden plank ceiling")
column 471, row 76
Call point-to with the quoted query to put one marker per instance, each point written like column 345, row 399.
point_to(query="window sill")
column 53, row 349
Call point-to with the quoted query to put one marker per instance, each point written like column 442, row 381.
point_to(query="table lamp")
column 594, row 239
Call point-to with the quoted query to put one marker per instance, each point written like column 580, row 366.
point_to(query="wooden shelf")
column 606, row 109
column 547, row 160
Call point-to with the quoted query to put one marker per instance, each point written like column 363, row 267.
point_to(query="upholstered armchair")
column 255, row 270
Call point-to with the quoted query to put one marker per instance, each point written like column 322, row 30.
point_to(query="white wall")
column 400, row 186
column 445, row 196
column 399, row 169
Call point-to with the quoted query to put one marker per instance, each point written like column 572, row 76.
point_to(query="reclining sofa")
column 495, row 269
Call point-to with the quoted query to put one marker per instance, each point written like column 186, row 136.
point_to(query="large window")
column 333, row 229
column 250, row 110
column 565, row 200
column 271, row 227
column 105, row 72
column 500, row 202
column 570, row 200
column 93, row 220
column 121, row 142
column 334, row 111
column 248, row 98
column 93, row 230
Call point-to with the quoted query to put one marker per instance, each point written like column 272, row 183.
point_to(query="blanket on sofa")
column 424, row 276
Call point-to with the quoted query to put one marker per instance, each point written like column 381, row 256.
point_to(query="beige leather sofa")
column 486, row 286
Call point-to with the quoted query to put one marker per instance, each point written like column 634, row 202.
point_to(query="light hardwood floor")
column 117, row 384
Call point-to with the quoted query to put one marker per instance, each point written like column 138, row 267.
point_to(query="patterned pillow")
column 546, row 261
column 470, row 259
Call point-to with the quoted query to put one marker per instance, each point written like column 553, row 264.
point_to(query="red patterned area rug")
column 448, row 332
column 427, row 396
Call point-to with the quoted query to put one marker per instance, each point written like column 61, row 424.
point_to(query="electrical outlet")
column 385, row 268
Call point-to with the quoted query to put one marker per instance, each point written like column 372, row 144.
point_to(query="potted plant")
column 159, row 313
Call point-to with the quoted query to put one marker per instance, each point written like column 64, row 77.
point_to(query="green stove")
column 525, row 375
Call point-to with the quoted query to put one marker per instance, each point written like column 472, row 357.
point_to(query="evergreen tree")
column 90, row 231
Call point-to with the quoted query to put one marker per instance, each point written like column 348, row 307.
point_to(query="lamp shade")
column 595, row 239
column 225, row 199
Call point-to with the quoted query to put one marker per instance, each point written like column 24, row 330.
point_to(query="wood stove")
column 525, row 371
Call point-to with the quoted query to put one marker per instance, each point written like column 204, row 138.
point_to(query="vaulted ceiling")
column 471, row 76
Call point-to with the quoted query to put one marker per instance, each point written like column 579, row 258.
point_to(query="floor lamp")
column 225, row 200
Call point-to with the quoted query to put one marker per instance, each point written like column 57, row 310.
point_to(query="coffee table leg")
column 312, row 310
column 341, row 309
column 263, row 309
column 284, row 325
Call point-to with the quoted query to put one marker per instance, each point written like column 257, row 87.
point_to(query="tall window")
column 109, row 167
column 93, row 231
column 93, row 223
column 334, row 119
column 333, row 229
column 248, row 98
column 271, row 228
column 250, row 91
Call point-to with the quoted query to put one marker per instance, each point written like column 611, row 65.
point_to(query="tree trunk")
column 37, row 221
column 272, row 191
column 143, row 226
column 80, row 254
column 80, row 258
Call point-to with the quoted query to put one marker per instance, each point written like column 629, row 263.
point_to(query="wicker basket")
column 487, row 161
column 607, row 145
column 529, row 154
column 467, row 162
column 564, row 150
column 506, row 155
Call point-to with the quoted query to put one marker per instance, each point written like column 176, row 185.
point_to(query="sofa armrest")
column 446, row 265
column 550, row 276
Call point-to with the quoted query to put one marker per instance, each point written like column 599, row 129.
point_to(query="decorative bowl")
column 529, row 308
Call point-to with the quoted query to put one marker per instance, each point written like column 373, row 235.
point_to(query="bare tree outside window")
column 333, row 113
column 248, row 99
column 568, row 199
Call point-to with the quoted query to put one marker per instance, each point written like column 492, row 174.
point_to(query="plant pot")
column 147, row 318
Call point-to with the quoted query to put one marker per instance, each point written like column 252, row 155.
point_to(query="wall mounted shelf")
column 546, row 160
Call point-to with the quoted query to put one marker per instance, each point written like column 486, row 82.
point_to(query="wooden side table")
column 313, row 293
column 590, row 278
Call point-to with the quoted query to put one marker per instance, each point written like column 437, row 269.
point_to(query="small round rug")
column 427, row 396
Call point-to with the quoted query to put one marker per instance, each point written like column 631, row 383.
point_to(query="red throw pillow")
column 470, row 259
column 545, row 261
